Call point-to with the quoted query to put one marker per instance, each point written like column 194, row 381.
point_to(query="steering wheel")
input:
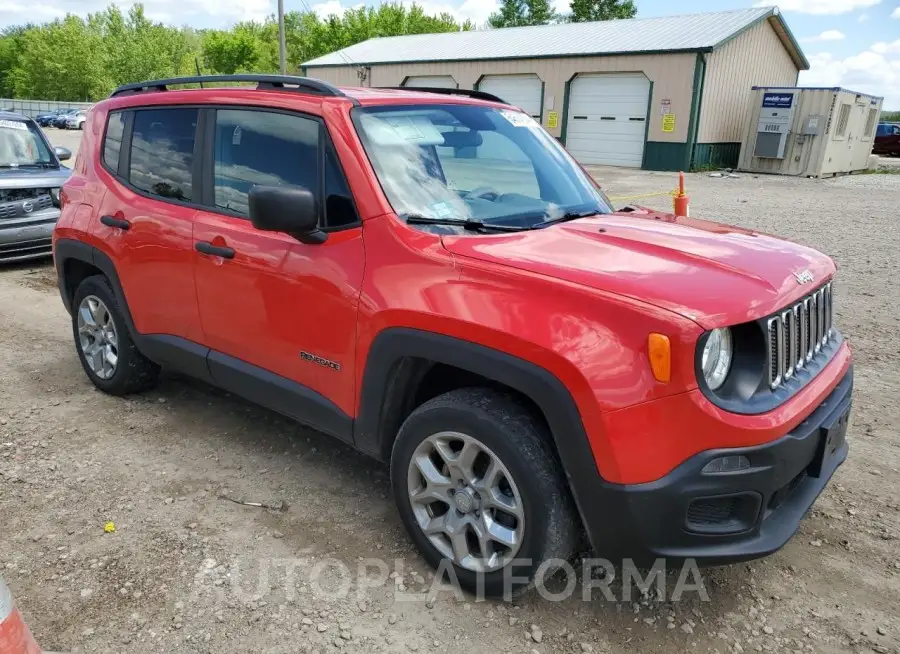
column 482, row 192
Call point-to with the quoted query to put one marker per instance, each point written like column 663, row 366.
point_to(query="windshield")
column 468, row 162
column 21, row 144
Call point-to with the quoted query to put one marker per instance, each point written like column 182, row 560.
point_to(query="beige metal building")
column 657, row 93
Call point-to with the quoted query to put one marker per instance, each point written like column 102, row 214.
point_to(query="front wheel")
column 479, row 487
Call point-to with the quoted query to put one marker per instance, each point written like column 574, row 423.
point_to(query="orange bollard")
column 681, row 202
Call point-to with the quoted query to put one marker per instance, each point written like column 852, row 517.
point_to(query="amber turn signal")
column 660, row 356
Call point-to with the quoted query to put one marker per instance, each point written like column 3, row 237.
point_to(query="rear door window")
column 162, row 152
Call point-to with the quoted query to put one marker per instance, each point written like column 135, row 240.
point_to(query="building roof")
column 688, row 33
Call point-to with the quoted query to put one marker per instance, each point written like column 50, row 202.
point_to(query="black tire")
column 522, row 442
column 134, row 372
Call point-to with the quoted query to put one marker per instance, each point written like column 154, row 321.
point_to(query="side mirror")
column 62, row 154
column 289, row 209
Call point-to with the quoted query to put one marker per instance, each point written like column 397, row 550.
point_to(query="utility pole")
column 282, row 57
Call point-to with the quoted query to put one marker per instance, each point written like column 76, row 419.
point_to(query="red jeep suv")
column 430, row 277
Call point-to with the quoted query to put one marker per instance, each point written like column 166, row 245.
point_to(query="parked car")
column 60, row 121
column 47, row 119
column 75, row 120
column 887, row 139
column 430, row 277
column 15, row 638
column 30, row 179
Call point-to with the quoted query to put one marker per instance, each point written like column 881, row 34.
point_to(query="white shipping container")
column 809, row 132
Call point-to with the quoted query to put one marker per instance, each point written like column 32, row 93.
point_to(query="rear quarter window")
column 112, row 142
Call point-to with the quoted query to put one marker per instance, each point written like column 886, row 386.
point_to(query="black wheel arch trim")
column 68, row 249
column 386, row 383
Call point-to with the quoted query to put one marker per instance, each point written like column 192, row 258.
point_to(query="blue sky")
column 851, row 43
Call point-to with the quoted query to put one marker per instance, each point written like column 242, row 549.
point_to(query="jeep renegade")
column 430, row 277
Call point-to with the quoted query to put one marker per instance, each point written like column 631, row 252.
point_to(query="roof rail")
column 267, row 82
column 479, row 95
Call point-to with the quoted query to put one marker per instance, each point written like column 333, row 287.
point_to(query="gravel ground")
column 187, row 571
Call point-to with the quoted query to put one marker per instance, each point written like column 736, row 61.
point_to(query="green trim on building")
column 720, row 155
column 647, row 126
column 541, row 110
column 565, row 110
column 696, row 103
column 663, row 155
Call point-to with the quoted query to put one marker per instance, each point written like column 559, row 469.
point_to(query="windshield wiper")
column 569, row 215
column 33, row 164
column 473, row 225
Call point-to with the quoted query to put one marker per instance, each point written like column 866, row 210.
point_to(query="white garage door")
column 432, row 81
column 607, row 119
column 522, row 91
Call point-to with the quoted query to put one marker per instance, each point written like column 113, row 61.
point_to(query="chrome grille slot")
column 798, row 334
column 788, row 343
column 776, row 341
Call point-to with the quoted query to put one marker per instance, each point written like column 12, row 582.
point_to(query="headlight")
column 717, row 355
column 54, row 196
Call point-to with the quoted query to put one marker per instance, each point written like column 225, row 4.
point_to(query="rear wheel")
column 478, row 486
column 108, row 355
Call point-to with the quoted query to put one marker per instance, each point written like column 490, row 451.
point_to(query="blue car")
column 46, row 119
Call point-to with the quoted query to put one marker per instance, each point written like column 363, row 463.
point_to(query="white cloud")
column 820, row 7
column 896, row 13
column 886, row 48
column 876, row 72
column 332, row 8
column 862, row 18
column 827, row 35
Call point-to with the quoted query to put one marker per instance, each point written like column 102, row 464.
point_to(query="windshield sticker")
column 13, row 124
column 443, row 210
column 236, row 136
column 518, row 119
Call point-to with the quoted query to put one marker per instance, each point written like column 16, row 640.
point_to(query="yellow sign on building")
column 552, row 119
column 668, row 122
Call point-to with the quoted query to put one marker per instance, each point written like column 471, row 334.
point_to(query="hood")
column 33, row 177
column 711, row 273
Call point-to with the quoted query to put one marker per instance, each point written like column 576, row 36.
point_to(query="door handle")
column 119, row 223
column 208, row 248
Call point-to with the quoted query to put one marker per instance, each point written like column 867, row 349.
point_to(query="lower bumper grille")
column 26, row 249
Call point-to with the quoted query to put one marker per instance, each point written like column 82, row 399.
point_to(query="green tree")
column 516, row 13
column 236, row 51
column 512, row 13
column 63, row 60
column 588, row 10
column 10, row 48
column 540, row 12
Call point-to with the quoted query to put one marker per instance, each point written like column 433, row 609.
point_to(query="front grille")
column 15, row 209
column 19, row 194
column 798, row 334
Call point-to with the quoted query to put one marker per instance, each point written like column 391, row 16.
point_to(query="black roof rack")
column 263, row 82
column 479, row 95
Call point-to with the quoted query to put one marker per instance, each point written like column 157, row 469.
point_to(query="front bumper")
column 27, row 237
column 727, row 517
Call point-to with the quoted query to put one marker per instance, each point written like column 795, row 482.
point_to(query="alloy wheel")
column 98, row 337
column 465, row 501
